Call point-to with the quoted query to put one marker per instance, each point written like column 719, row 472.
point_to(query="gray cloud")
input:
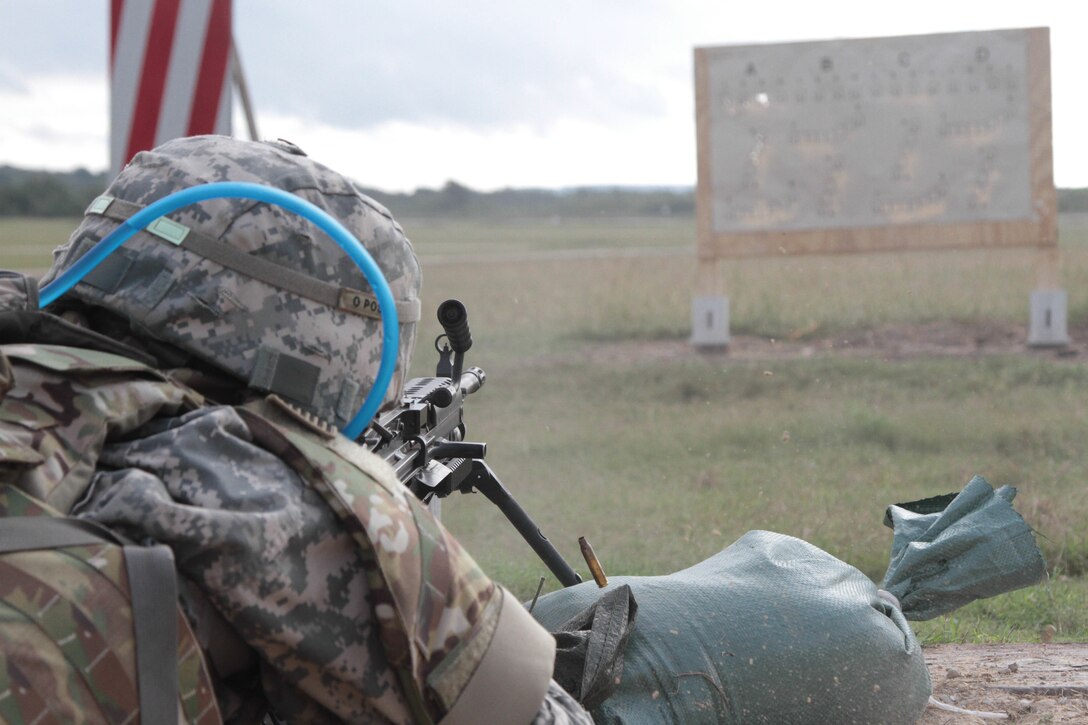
column 53, row 36
column 471, row 63
column 357, row 64
column 9, row 80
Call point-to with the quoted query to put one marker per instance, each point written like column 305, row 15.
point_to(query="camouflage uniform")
column 67, row 614
column 358, row 604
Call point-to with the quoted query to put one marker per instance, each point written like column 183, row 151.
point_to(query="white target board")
column 913, row 142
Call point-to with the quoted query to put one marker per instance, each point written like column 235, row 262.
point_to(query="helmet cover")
column 248, row 287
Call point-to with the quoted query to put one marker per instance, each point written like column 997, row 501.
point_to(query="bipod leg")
column 486, row 482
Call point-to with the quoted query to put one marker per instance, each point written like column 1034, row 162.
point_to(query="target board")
column 880, row 144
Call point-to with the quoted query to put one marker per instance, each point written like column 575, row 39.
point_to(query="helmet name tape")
column 360, row 303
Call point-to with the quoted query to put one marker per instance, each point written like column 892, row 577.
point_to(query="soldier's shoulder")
column 319, row 442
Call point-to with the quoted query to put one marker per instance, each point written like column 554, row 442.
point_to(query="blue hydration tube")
column 290, row 202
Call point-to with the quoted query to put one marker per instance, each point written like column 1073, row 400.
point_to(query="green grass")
column 661, row 462
column 1019, row 616
column 670, row 461
column 514, row 237
column 28, row 244
column 519, row 300
column 604, row 424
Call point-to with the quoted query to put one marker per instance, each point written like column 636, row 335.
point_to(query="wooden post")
column 709, row 305
column 1048, row 308
column 1048, row 272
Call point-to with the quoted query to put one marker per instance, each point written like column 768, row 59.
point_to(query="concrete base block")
column 1049, row 316
column 710, row 322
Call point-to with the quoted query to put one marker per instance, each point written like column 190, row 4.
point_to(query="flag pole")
column 243, row 89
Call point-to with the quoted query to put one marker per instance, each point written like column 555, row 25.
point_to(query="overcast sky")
column 405, row 93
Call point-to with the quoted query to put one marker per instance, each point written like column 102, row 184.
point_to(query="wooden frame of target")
column 918, row 142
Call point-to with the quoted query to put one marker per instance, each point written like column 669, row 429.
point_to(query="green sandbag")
column 951, row 550
column 769, row 630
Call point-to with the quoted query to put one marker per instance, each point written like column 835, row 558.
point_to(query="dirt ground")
column 885, row 342
column 1049, row 682
column 901, row 341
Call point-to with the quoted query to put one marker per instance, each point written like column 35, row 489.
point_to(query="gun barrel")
column 472, row 380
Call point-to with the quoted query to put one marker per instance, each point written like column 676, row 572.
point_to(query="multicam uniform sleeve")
column 59, row 405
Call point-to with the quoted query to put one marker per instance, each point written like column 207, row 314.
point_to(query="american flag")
column 169, row 65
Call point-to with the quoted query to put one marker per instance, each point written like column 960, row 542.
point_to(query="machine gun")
column 423, row 439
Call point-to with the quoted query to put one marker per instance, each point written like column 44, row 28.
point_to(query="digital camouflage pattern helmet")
column 248, row 287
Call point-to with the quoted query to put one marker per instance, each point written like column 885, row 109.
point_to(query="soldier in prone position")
column 188, row 391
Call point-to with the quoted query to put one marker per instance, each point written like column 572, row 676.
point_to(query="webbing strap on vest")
column 39, row 532
column 154, row 620
column 152, row 585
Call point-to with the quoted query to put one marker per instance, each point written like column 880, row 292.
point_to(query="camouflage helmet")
column 248, row 287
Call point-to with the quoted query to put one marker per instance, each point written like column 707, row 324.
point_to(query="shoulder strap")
column 292, row 447
column 153, row 586
column 39, row 532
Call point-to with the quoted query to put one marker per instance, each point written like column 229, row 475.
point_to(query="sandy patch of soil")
column 1031, row 683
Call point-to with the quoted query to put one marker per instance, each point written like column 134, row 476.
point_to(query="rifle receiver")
column 423, row 439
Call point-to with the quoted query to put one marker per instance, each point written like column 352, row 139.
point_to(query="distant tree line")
column 48, row 193
column 66, row 194
column 454, row 199
column 1072, row 200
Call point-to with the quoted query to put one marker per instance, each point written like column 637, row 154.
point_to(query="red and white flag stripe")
column 169, row 64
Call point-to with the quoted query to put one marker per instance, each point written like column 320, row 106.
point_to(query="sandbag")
column 950, row 550
column 589, row 647
column 769, row 630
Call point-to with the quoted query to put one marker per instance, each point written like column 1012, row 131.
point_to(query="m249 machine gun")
column 423, row 439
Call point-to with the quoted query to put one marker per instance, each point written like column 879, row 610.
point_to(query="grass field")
column 604, row 424
column 27, row 244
